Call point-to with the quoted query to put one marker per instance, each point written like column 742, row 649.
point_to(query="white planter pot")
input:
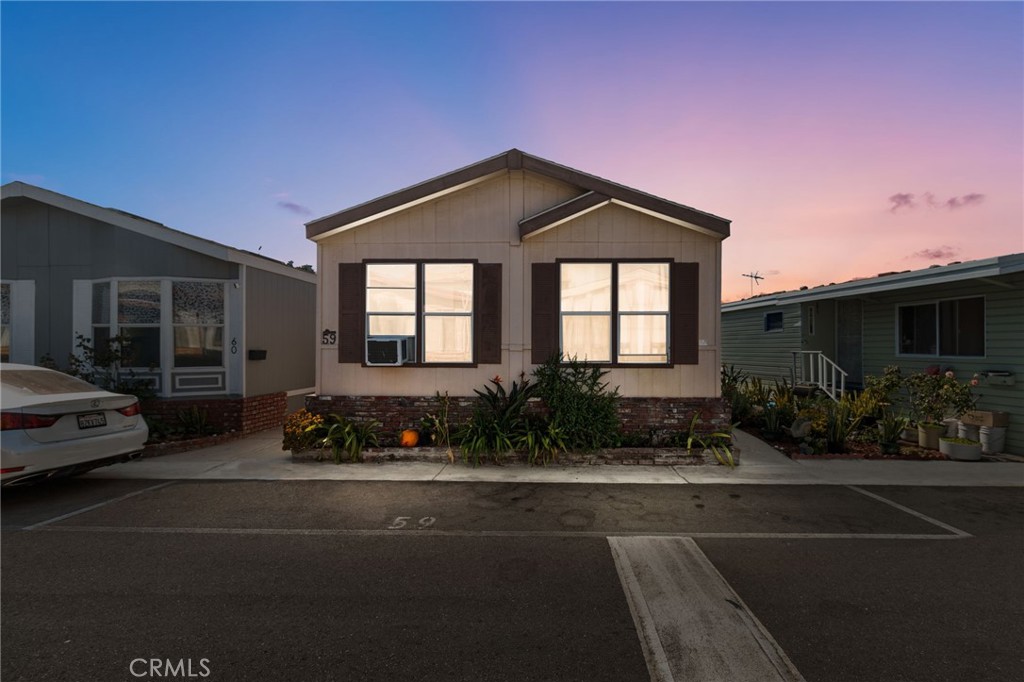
column 968, row 431
column 993, row 439
column 960, row 451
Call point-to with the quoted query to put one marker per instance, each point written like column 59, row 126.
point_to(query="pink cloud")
column 938, row 253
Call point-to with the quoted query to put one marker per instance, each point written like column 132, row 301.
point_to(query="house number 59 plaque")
column 329, row 337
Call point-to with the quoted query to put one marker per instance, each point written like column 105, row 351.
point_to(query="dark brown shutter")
column 544, row 304
column 351, row 312
column 684, row 308
column 487, row 314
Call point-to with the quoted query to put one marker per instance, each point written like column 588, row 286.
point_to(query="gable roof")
column 594, row 193
column 984, row 269
column 128, row 221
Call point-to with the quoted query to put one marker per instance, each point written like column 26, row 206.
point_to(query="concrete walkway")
column 259, row 457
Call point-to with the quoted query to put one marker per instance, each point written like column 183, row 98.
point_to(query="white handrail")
column 813, row 367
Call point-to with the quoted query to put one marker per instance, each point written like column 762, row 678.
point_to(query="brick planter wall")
column 661, row 417
column 395, row 413
column 224, row 415
column 657, row 417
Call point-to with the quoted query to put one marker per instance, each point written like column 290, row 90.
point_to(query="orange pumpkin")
column 410, row 437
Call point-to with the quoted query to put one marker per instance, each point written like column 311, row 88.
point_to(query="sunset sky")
column 842, row 139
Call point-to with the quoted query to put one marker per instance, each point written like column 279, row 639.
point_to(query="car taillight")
column 131, row 410
column 19, row 420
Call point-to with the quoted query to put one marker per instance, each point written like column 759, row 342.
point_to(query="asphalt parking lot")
column 332, row 580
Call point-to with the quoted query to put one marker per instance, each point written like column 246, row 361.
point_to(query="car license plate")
column 91, row 421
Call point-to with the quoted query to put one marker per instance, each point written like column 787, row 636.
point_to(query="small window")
column 773, row 322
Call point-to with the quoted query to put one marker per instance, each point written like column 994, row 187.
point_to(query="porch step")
column 805, row 389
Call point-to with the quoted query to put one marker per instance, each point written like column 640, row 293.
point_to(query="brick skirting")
column 224, row 415
column 656, row 418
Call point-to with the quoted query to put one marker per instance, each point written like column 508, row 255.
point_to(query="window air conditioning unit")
column 389, row 351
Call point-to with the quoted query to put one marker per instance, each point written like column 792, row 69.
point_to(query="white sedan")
column 54, row 425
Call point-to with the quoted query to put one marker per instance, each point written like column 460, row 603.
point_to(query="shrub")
column 935, row 395
column 581, row 406
column 349, row 437
column 840, row 423
column 885, row 389
column 194, row 422
column 107, row 365
column 542, row 441
column 498, row 420
column 717, row 442
column 302, row 430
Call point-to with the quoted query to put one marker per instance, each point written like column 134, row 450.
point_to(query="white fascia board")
column 261, row 263
column 555, row 224
column 989, row 267
column 402, row 207
column 761, row 302
column 669, row 219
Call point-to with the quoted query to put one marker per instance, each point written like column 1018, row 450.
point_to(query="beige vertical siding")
column 481, row 223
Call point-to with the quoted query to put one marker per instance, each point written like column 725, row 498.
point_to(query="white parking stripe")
column 693, row 627
column 908, row 510
column 96, row 506
column 373, row 532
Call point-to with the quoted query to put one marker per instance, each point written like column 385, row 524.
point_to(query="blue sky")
column 843, row 139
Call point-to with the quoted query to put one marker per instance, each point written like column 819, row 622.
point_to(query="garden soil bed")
column 171, row 447
column 855, row 449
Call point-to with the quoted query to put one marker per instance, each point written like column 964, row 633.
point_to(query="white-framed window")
column 614, row 312
column 951, row 327
column 430, row 302
column 198, row 322
column 185, row 316
column 138, row 306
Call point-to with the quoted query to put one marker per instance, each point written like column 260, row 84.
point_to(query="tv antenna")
column 755, row 278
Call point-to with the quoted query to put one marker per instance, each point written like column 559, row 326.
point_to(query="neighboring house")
column 230, row 331
column 492, row 268
column 964, row 316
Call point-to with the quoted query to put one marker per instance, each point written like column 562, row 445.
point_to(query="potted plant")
column 961, row 448
column 934, row 396
column 890, row 428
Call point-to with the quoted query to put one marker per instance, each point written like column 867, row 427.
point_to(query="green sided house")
column 228, row 331
column 493, row 268
column 968, row 317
